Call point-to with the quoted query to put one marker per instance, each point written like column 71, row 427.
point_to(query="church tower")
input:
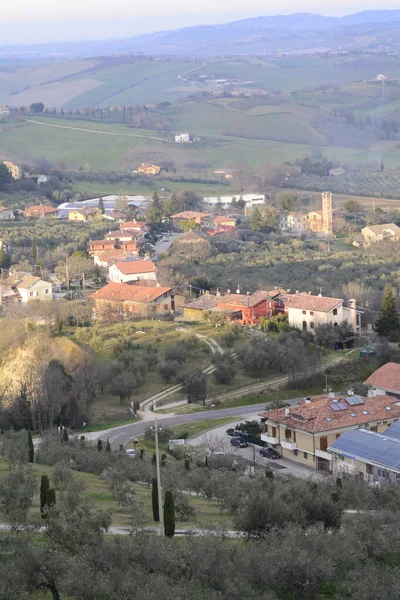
column 327, row 213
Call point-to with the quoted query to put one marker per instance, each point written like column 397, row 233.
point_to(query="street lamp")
column 158, row 472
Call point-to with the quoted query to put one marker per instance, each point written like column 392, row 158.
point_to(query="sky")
column 32, row 21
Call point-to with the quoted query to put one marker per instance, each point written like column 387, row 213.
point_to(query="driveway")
column 164, row 245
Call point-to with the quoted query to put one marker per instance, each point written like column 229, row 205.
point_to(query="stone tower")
column 327, row 213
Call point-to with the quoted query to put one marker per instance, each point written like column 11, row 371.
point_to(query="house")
column 378, row 233
column 315, row 221
column 385, row 380
column 200, row 218
column 41, row 211
column 366, row 454
column 85, row 214
column 293, row 222
column 336, row 172
column 130, row 245
column 113, row 215
column 6, row 214
column 42, row 179
column 148, row 169
column 120, row 235
column 133, row 270
column 304, row 432
column 106, row 258
column 29, row 287
column 306, row 311
column 224, row 221
column 120, row 300
column 250, row 200
column 246, row 309
column 134, row 226
column 9, row 296
column 182, row 138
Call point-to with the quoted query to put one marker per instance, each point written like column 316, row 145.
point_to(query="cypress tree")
column 99, row 445
column 51, row 497
column 388, row 319
column 101, row 206
column 44, row 488
column 108, row 446
column 187, row 464
column 154, row 500
column 34, row 249
column 169, row 515
column 31, row 448
column 65, row 436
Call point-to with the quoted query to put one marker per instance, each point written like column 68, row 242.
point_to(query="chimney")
column 238, row 290
column 352, row 303
column 248, row 293
column 307, row 400
column 297, row 291
column 288, row 291
column 228, row 291
column 287, row 412
column 310, row 293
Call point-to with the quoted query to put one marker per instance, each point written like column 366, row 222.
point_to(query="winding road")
column 180, row 76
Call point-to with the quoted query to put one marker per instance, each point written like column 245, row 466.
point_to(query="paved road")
column 165, row 244
column 180, row 76
column 138, row 135
column 125, row 433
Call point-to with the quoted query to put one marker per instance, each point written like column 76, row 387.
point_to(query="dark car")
column 239, row 442
column 230, row 431
column 269, row 453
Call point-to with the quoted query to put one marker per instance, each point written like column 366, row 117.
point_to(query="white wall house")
column 293, row 222
column 182, row 138
column 134, row 270
column 6, row 214
column 34, row 288
column 306, row 311
column 249, row 199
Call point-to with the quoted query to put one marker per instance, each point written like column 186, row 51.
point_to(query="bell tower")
column 327, row 213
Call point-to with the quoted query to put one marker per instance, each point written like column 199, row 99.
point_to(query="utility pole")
column 160, row 503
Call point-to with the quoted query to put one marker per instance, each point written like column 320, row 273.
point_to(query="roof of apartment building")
column 40, row 209
column 135, row 267
column 132, row 293
column 221, row 219
column 325, row 414
column 393, row 430
column 306, row 301
column 384, row 228
column 370, row 447
column 386, row 377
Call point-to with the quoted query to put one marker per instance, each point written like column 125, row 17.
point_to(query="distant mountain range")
column 377, row 30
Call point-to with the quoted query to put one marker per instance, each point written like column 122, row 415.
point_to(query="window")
column 288, row 434
column 357, row 319
column 296, row 452
column 154, row 309
column 304, row 325
column 323, row 443
column 304, row 312
column 166, row 306
column 312, row 313
column 305, row 455
column 47, row 291
column 294, row 436
column 337, row 435
column 274, row 432
column 31, row 293
column 312, row 325
column 36, row 293
column 335, row 311
column 370, row 469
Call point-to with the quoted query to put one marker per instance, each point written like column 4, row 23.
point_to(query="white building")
column 30, row 287
column 293, row 222
column 111, row 203
column 250, row 200
column 42, row 179
column 182, row 138
column 135, row 270
column 4, row 112
column 6, row 214
column 306, row 311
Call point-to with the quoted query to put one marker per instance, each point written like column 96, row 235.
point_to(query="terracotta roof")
column 131, row 293
column 386, row 377
column 318, row 415
column 40, row 209
column 85, row 211
column 308, row 302
column 23, row 281
column 111, row 256
column 384, row 228
column 190, row 214
column 220, row 219
column 133, row 267
column 192, row 236
column 133, row 225
column 205, row 302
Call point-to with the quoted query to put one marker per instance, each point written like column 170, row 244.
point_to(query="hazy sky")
column 33, row 21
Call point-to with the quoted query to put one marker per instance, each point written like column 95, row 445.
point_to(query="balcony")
column 269, row 439
column 323, row 454
column 288, row 444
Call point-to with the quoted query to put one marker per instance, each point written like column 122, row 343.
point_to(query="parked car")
column 269, row 453
column 239, row 442
column 130, row 452
column 230, row 431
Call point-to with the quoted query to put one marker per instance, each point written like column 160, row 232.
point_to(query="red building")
column 116, row 244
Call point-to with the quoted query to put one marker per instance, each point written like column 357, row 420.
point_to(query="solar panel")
column 354, row 400
column 338, row 406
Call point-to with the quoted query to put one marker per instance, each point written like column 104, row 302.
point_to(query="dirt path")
column 138, row 135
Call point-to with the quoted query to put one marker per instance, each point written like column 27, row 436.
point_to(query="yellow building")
column 14, row 169
column 84, row 214
column 148, row 169
column 304, row 432
column 315, row 221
